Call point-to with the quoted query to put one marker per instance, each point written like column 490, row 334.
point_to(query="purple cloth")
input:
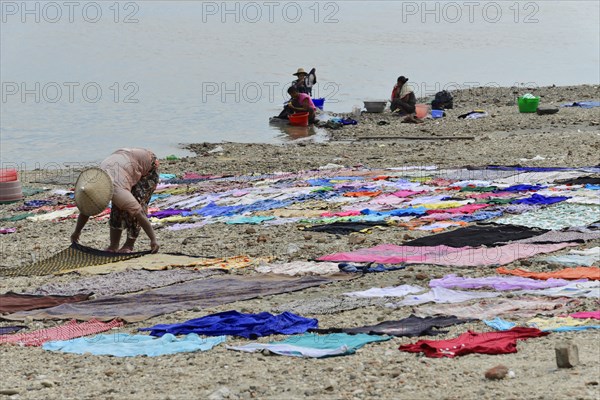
column 5, row 330
column 167, row 213
column 497, row 282
column 540, row 199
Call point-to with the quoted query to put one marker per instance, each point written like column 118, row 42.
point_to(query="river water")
column 81, row 79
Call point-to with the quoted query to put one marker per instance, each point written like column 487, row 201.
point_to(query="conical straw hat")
column 93, row 191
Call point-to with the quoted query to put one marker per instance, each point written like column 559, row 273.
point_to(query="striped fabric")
column 70, row 330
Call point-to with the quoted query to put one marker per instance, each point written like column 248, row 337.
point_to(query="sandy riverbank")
column 569, row 138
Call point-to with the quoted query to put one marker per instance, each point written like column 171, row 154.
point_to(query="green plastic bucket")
column 528, row 105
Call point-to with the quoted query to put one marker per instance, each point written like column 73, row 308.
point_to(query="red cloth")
column 474, row 342
column 70, row 330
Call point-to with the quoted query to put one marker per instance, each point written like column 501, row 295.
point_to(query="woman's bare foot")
column 111, row 249
column 126, row 249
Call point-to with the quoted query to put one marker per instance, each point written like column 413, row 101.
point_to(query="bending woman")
column 128, row 177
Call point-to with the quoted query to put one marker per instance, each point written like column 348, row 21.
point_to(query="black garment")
column 408, row 105
column 443, row 101
column 344, row 228
column 411, row 326
column 478, row 235
column 583, row 180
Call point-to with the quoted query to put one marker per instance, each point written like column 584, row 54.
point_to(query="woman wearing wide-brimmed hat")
column 128, row 177
column 305, row 81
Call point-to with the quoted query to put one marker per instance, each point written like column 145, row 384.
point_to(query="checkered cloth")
column 70, row 330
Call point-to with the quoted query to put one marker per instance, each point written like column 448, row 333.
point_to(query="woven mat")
column 76, row 256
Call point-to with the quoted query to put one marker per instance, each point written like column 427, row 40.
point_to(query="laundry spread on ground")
column 127, row 281
column 5, row 330
column 592, row 273
column 315, row 346
column 126, row 345
column 445, row 255
column 562, row 324
column 493, row 307
column 299, row 268
column 456, row 218
column 182, row 296
column 411, row 326
column 504, row 342
column 68, row 331
column 234, row 323
column 12, row 302
column 495, row 282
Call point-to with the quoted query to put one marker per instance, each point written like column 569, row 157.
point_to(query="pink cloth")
column 406, row 193
column 466, row 209
column 302, row 98
column 4, row 231
column 341, row 214
column 70, row 330
column 444, row 255
column 586, row 314
column 490, row 195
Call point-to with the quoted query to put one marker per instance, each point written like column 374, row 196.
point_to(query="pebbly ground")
column 569, row 138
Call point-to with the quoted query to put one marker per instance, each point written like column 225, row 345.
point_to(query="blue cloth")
column 522, row 188
column 316, row 346
column 583, row 104
column 126, row 345
column 572, row 328
column 397, row 212
column 37, row 203
column 499, row 324
column 155, row 197
column 368, row 268
column 478, row 216
column 540, row 199
column 248, row 220
column 166, row 177
column 237, row 324
column 592, row 187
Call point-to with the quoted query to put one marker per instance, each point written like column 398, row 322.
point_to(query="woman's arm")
column 147, row 227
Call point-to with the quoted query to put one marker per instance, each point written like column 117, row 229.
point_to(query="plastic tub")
column 437, row 113
column 319, row 103
column 375, row 106
column 299, row 119
column 8, row 175
column 422, row 110
column 528, row 105
column 10, row 191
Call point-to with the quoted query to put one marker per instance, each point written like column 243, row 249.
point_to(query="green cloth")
column 17, row 217
column 483, row 189
column 29, row 191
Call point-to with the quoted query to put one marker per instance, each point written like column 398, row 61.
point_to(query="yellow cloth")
column 441, row 205
column 174, row 218
column 545, row 324
column 166, row 261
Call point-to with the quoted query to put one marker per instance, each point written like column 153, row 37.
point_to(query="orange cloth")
column 592, row 273
column 361, row 194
